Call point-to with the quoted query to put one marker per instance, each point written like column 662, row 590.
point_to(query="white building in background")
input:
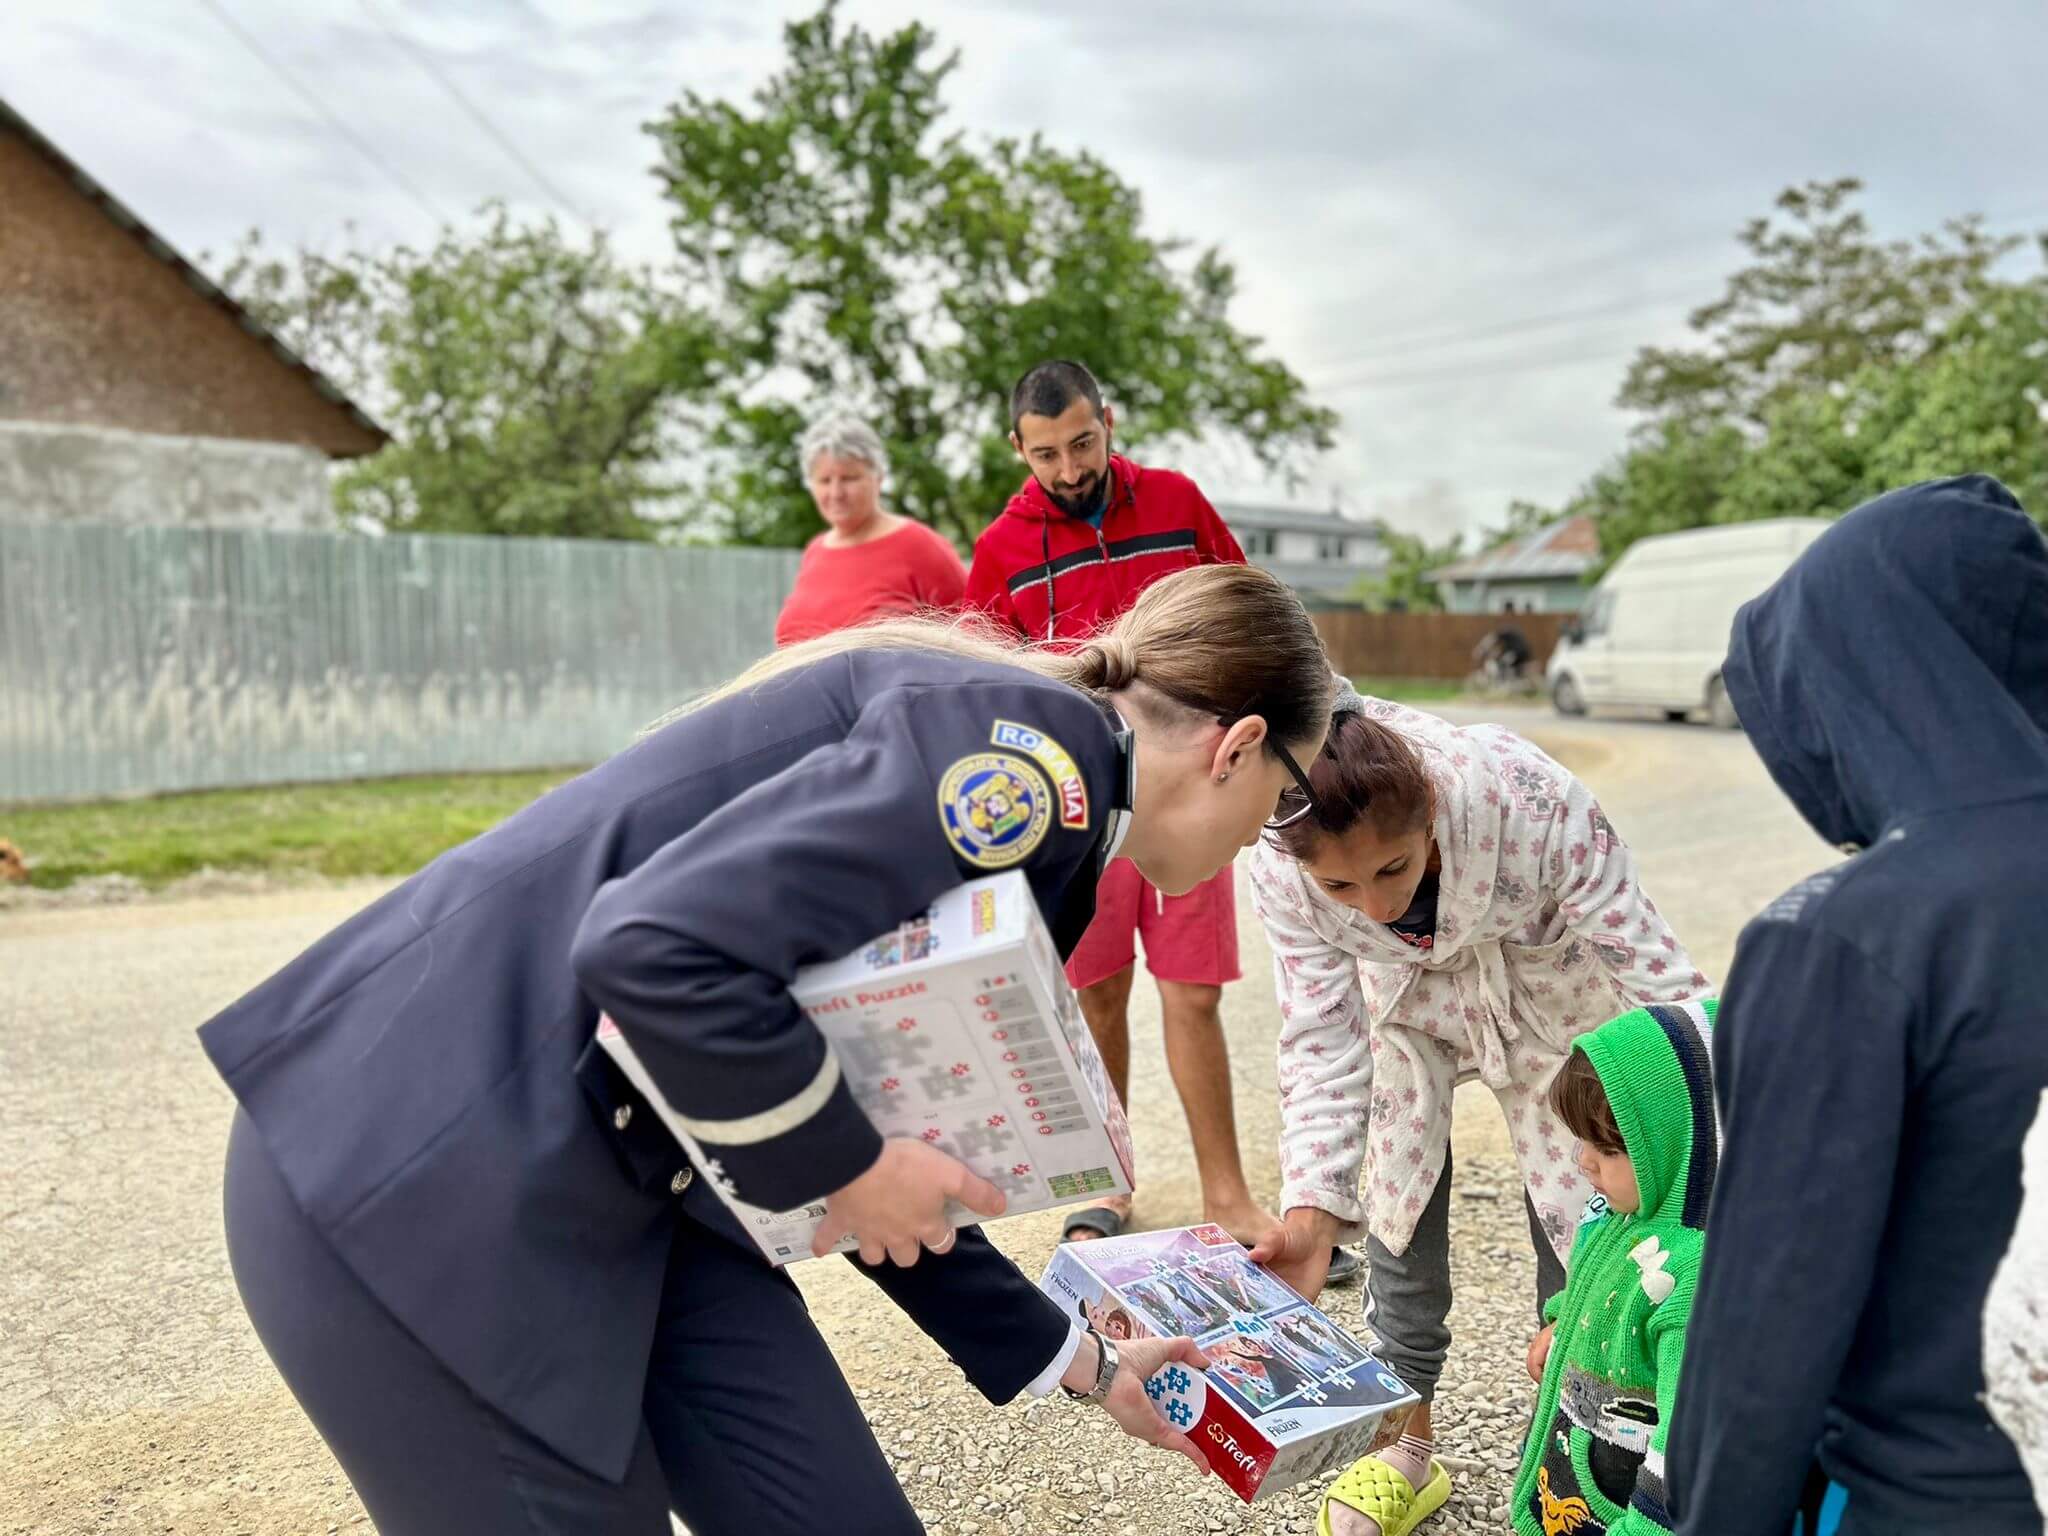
column 1544, row 572
column 1322, row 555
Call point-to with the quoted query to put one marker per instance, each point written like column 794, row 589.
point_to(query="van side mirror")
column 1572, row 631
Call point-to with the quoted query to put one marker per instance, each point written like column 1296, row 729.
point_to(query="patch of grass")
column 371, row 827
column 1410, row 690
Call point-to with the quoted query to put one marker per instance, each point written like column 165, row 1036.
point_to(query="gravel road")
column 133, row 1397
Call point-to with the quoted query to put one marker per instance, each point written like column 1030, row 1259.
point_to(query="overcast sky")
column 1412, row 190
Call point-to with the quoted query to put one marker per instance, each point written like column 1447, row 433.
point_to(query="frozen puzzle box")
column 958, row 1028
column 1288, row 1394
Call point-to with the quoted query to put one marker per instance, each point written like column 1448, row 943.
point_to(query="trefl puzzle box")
column 1288, row 1394
column 958, row 1028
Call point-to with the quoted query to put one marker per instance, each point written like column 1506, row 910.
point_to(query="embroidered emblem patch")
column 1058, row 764
column 995, row 809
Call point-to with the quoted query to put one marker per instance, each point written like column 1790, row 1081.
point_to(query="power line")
column 1403, row 345
column 1440, row 339
column 1539, row 363
column 1619, row 265
column 474, row 112
column 361, row 147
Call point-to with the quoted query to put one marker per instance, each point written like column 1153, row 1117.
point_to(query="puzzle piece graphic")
column 941, row 1083
column 981, row 1140
column 1010, row 1181
column 1314, row 1395
column 1178, row 1394
column 879, row 1051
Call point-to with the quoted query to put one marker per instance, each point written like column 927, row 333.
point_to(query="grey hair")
column 844, row 436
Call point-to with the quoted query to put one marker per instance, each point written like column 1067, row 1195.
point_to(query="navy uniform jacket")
column 426, row 1080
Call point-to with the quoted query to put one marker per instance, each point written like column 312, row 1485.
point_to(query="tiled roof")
column 1564, row 549
column 1293, row 520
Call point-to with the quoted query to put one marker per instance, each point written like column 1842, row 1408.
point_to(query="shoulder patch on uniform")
column 994, row 808
column 1058, row 764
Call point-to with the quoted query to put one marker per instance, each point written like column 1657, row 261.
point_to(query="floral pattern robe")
column 1543, row 932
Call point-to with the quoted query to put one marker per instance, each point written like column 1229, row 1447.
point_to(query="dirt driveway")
column 133, row 1397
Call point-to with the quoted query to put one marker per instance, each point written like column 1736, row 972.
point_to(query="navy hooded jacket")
column 1883, row 1037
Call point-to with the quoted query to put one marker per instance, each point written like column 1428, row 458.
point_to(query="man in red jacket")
column 1087, row 533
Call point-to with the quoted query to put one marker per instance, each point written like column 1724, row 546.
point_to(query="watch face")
column 1105, row 1372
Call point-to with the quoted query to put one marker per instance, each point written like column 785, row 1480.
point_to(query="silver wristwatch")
column 1105, row 1373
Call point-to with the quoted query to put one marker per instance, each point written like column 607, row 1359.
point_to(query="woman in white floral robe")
column 1541, row 932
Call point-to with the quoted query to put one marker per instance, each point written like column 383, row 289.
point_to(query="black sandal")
column 1099, row 1219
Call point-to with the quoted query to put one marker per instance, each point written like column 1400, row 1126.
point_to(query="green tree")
column 1521, row 519
column 1833, row 368
column 531, row 385
column 1820, row 301
column 852, row 250
column 1404, row 586
column 1982, row 404
column 1975, row 404
column 1672, row 478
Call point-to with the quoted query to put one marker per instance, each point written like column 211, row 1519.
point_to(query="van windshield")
column 1594, row 617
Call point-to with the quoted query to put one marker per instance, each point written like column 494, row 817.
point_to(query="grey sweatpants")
column 1408, row 1295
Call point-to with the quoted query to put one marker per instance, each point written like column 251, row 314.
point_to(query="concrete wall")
column 93, row 475
column 97, row 329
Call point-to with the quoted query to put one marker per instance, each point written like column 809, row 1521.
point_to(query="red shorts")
column 1191, row 938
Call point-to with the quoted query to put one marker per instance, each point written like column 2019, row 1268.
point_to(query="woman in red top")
column 868, row 563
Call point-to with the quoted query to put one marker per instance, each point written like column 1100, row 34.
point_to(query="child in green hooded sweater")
column 1638, row 1093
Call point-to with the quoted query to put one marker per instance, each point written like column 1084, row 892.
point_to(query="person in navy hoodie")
column 1883, row 1036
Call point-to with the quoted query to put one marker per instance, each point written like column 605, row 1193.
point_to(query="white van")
column 1655, row 631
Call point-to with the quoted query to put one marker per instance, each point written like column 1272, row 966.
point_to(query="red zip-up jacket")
column 1052, row 576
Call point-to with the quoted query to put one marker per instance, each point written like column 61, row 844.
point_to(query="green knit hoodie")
column 1595, row 1459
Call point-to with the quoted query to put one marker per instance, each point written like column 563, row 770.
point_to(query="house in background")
column 132, row 389
column 1322, row 555
column 1543, row 572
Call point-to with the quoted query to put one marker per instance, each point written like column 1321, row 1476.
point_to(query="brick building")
column 132, row 389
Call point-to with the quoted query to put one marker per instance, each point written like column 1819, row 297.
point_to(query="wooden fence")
column 1425, row 644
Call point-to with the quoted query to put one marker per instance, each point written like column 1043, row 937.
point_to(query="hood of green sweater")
column 1655, row 1064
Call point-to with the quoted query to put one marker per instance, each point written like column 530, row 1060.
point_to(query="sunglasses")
column 1294, row 803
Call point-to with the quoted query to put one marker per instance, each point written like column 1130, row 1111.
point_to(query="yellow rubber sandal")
column 1378, row 1492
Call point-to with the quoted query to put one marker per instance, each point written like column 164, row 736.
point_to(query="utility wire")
column 1415, row 345
column 333, row 120
column 475, row 113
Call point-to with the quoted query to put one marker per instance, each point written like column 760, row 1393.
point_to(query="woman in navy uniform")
column 483, row 1265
